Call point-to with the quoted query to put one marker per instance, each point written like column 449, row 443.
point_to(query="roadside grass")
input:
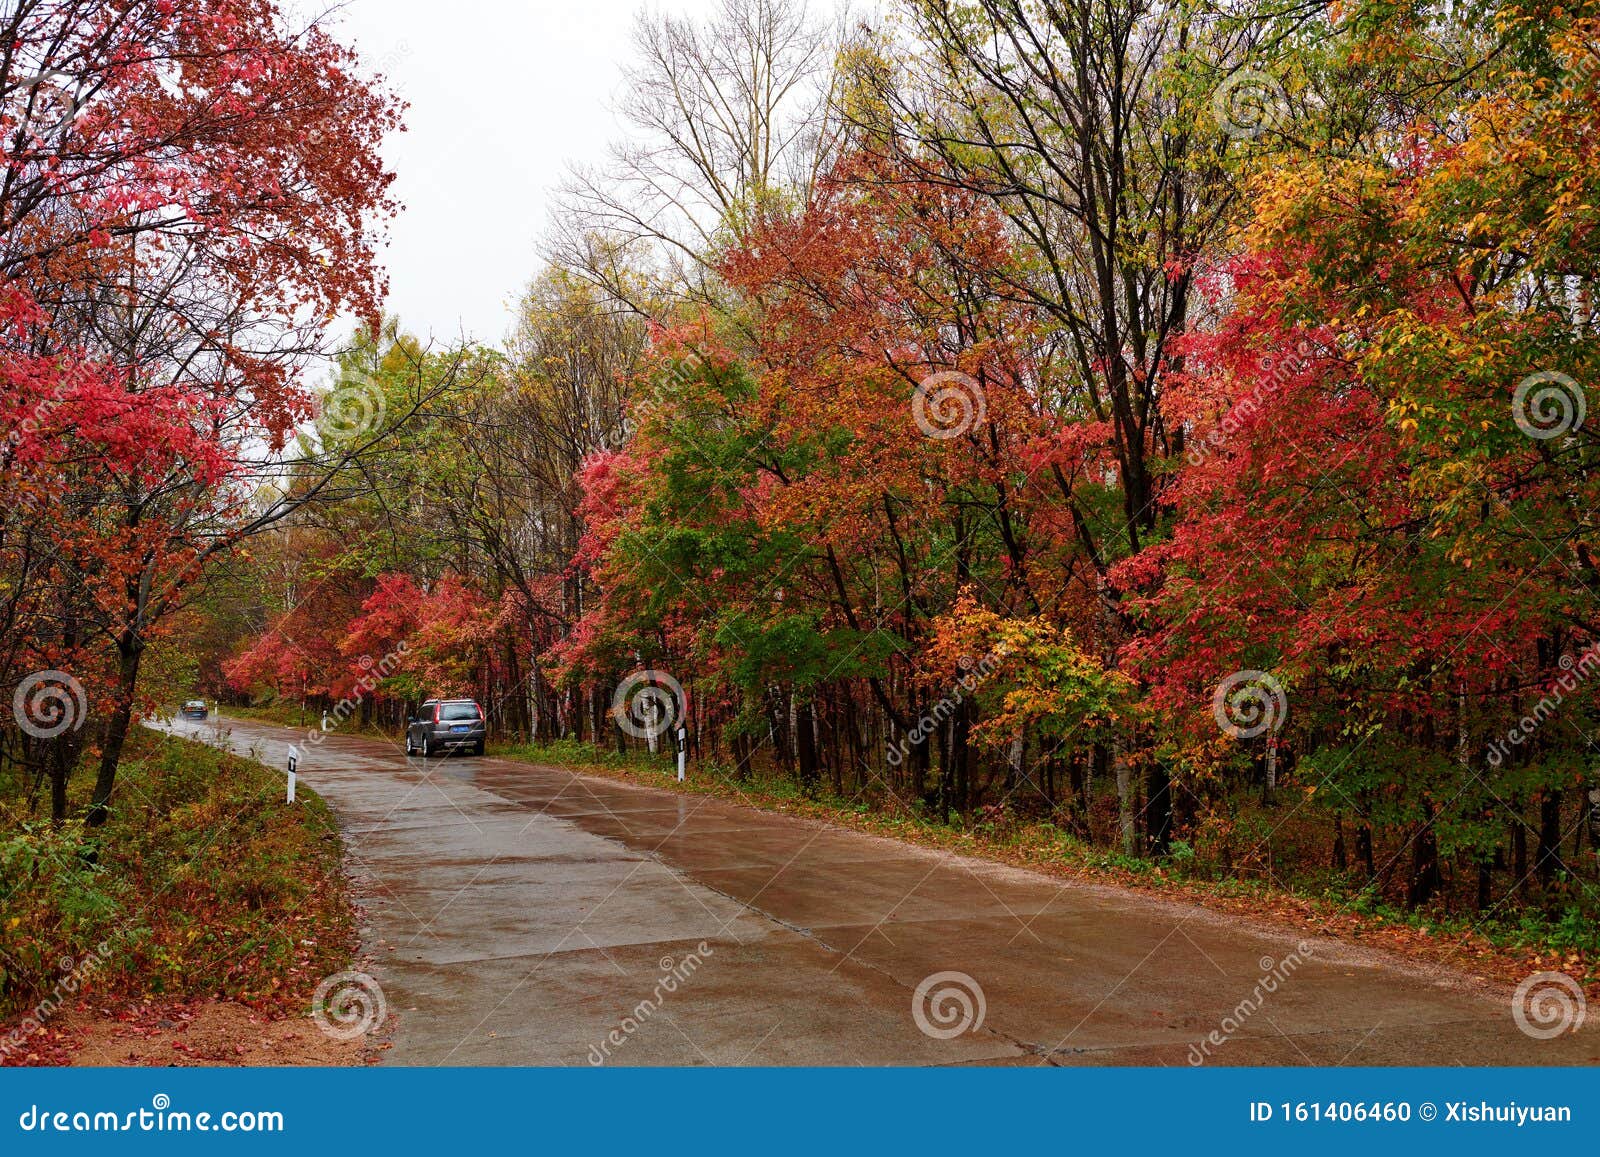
column 285, row 714
column 1562, row 933
column 292, row 715
column 203, row 883
column 308, row 721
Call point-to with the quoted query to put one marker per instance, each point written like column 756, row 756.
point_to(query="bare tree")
column 729, row 118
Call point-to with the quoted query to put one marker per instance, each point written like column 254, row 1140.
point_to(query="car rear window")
column 458, row 711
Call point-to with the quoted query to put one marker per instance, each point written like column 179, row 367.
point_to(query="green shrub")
column 202, row 882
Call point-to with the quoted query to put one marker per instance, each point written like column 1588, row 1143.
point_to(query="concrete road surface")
column 520, row 914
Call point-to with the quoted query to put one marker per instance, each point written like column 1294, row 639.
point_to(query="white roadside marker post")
column 294, row 761
column 683, row 748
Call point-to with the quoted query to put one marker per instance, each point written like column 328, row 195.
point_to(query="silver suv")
column 441, row 724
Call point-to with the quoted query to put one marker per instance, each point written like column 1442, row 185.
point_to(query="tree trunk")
column 804, row 723
column 130, row 653
column 1158, row 814
column 921, row 758
column 1548, row 861
column 1594, row 818
column 1124, row 777
column 59, row 756
column 1364, row 850
column 778, row 709
column 961, row 758
column 836, row 763
column 946, row 770
column 1425, row 862
column 1099, row 764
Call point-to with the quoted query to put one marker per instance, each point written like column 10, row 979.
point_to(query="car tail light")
column 436, row 710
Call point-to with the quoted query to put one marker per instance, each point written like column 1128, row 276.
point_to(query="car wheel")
column 477, row 748
column 409, row 748
column 427, row 746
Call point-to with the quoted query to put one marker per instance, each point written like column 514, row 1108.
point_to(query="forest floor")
column 193, row 928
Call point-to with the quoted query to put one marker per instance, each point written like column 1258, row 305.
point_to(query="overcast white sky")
column 502, row 96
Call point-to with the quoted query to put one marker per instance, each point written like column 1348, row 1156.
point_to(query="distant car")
column 194, row 709
column 441, row 724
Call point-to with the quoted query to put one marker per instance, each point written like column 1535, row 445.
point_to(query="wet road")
column 520, row 914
